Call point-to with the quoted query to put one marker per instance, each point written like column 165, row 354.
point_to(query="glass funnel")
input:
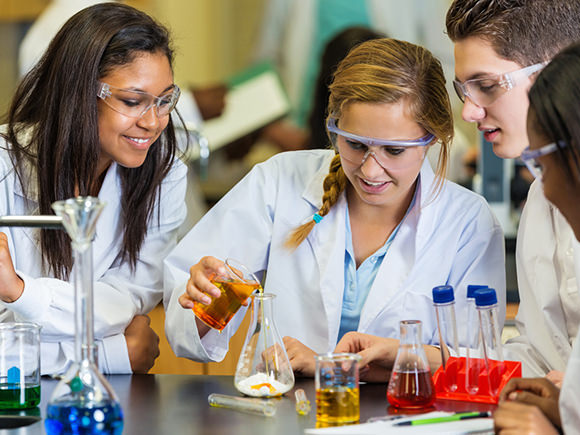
column 263, row 368
column 83, row 402
column 411, row 385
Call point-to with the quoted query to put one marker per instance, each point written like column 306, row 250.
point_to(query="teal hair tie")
column 316, row 218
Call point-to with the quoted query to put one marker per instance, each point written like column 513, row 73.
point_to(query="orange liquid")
column 411, row 390
column 337, row 405
column 217, row 314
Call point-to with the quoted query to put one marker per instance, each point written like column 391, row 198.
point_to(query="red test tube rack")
column 490, row 381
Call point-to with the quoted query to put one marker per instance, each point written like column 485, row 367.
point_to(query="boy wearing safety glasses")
column 353, row 238
column 499, row 48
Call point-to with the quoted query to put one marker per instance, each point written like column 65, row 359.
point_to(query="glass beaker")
column 411, row 385
column 19, row 365
column 236, row 285
column 83, row 402
column 337, row 389
column 263, row 369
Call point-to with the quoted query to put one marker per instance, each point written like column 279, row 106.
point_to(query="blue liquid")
column 68, row 418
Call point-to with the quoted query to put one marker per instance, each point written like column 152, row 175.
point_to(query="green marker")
column 454, row 417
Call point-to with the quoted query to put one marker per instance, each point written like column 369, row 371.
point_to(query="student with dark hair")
column 93, row 118
column 553, row 126
column 500, row 46
column 350, row 239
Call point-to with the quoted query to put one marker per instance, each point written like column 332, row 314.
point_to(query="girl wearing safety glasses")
column 353, row 238
column 553, row 127
column 92, row 118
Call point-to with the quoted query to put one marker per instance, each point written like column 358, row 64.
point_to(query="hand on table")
column 377, row 354
column 538, row 392
column 142, row 344
column 301, row 357
column 519, row 418
column 11, row 286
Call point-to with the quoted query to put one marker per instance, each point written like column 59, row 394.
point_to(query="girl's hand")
column 377, row 354
column 199, row 288
column 301, row 357
column 518, row 418
column 11, row 286
column 538, row 392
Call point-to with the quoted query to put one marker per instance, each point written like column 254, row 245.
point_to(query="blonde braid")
column 334, row 183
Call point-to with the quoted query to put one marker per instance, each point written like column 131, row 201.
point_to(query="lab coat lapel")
column 399, row 260
column 108, row 235
column 327, row 241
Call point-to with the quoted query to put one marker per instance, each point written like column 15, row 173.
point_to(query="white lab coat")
column 549, row 311
column 119, row 294
column 570, row 394
column 453, row 239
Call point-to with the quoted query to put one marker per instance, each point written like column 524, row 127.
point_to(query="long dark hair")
column 554, row 105
column 52, row 123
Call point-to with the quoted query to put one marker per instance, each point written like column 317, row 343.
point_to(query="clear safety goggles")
column 483, row 92
column 530, row 157
column 390, row 154
column 135, row 104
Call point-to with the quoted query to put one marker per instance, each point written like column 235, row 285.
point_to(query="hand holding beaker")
column 231, row 283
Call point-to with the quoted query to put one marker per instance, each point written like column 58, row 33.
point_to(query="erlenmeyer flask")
column 83, row 402
column 263, row 368
column 411, row 385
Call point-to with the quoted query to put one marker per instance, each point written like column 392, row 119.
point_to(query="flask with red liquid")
column 411, row 385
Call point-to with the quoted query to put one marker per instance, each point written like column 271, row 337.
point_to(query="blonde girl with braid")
column 352, row 238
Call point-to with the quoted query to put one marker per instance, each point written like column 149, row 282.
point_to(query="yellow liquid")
column 222, row 309
column 337, row 405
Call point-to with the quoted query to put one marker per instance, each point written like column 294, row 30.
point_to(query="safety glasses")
column 530, row 157
column 135, row 104
column 390, row 154
column 483, row 92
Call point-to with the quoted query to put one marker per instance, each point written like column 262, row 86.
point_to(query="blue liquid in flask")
column 67, row 417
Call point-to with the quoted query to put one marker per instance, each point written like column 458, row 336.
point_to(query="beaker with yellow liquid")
column 337, row 389
column 236, row 285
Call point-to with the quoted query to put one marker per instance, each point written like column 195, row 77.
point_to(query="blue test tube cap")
column 485, row 297
column 472, row 288
column 443, row 294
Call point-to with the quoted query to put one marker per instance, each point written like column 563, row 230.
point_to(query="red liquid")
column 411, row 390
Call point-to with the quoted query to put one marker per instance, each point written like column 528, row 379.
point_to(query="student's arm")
column 119, row 294
column 238, row 226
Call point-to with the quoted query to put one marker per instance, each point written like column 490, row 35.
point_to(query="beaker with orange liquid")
column 236, row 286
column 411, row 385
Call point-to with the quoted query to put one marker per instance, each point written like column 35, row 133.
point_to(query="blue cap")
column 471, row 288
column 485, row 297
column 443, row 294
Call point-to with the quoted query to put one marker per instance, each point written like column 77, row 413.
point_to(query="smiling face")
column 370, row 183
column 503, row 122
column 126, row 140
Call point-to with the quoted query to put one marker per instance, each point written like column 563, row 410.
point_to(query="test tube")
column 490, row 333
column 471, row 362
column 302, row 402
column 444, row 302
column 253, row 406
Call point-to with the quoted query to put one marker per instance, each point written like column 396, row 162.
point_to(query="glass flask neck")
column 85, row 348
column 263, row 306
column 411, row 332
